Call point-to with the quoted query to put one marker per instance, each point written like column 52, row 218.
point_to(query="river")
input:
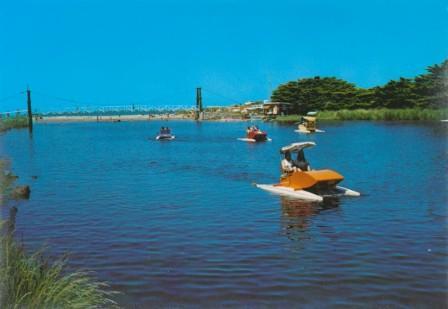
column 181, row 224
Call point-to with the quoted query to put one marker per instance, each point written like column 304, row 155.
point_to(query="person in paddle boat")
column 301, row 163
column 165, row 131
column 287, row 164
column 165, row 134
column 256, row 134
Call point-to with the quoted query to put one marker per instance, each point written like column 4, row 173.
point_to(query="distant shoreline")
column 380, row 114
column 110, row 118
column 124, row 118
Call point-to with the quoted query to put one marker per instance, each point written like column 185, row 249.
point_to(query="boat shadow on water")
column 297, row 215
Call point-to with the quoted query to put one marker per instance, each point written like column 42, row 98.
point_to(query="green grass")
column 34, row 281
column 375, row 114
column 13, row 123
column 31, row 281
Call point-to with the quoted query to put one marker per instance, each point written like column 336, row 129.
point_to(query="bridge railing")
column 120, row 109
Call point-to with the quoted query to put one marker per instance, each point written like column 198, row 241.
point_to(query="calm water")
column 180, row 223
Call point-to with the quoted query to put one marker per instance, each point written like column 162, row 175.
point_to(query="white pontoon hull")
column 307, row 132
column 165, row 138
column 347, row 192
column 305, row 195
column 251, row 140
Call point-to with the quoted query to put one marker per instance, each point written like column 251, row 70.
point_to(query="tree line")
column 428, row 90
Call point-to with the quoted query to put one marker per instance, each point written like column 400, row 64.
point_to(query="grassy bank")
column 375, row 114
column 13, row 123
column 32, row 280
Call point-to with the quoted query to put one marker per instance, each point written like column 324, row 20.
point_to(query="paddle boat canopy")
column 301, row 182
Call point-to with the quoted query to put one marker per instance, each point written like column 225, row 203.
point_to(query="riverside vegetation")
column 13, row 123
column 32, row 280
column 375, row 114
column 420, row 98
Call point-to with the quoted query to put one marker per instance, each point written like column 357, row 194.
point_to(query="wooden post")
column 198, row 103
column 30, row 113
column 199, row 99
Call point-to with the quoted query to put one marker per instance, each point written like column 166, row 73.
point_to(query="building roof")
column 268, row 104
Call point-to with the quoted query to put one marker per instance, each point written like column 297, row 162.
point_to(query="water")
column 180, row 223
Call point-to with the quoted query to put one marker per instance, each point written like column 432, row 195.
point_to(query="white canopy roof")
column 297, row 146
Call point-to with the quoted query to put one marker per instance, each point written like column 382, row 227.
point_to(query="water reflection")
column 441, row 129
column 297, row 215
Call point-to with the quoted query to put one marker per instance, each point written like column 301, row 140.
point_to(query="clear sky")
column 109, row 52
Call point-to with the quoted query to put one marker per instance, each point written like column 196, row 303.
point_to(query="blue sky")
column 118, row 52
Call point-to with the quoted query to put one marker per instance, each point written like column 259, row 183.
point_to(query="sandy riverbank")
column 112, row 118
column 117, row 118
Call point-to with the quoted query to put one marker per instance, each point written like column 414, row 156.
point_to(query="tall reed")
column 32, row 281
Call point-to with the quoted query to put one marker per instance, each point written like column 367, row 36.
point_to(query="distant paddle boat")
column 308, row 124
column 165, row 135
column 303, row 183
column 255, row 135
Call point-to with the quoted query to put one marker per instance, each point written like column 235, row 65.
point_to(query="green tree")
column 429, row 90
column 432, row 88
column 365, row 98
column 316, row 94
column 396, row 94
